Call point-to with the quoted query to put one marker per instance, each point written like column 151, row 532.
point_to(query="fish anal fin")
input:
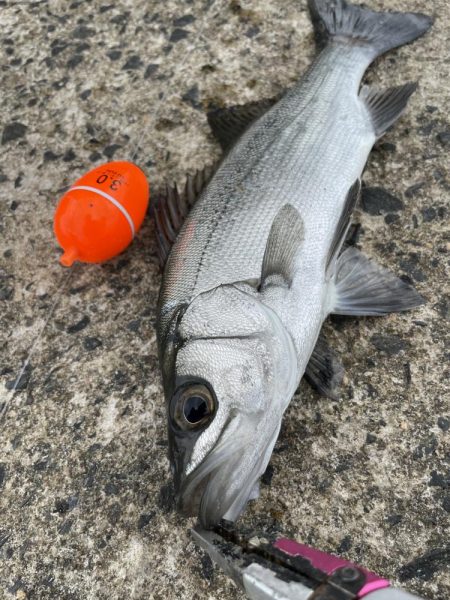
column 324, row 371
column 362, row 287
column 285, row 238
column 386, row 106
column 228, row 124
column 171, row 207
column 343, row 225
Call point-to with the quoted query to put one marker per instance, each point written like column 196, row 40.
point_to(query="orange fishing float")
column 99, row 215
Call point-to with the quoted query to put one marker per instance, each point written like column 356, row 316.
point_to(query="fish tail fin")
column 376, row 31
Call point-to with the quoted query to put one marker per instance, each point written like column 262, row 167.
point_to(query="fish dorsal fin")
column 340, row 234
column 171, row 208
column 285, row 238
column 324, row 371
column 386, row 106
column 360, row 287
column 228, row 124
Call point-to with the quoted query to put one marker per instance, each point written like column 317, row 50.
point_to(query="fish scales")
column 256, row 267
column 294, row 160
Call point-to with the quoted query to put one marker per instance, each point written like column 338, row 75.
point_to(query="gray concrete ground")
column 85, row 509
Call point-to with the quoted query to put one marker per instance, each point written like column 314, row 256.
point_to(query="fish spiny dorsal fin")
column 386, row 106
column 228, row 124
column 343, row 225
column 170, row 208
column 324, row 371
column 285, row 237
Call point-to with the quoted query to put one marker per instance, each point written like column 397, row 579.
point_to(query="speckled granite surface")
column 85, row 510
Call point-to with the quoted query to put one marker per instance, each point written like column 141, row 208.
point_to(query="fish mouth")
column 206, row 492
column 220, row 487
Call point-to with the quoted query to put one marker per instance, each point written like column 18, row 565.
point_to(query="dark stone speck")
column 134, row 62
column 446, row 504
column 79, row 326
column 344, row 545
column 134, row 326
column 391, row 218
column 376, row 201
column 2, row 474
column 252, row 31
column 191, row 97
column 391, row 344
column 184, row 20
column 66, row 527
column 178, row 34
column 74, row 61
column 110, row 150
column 439, row 480
column 394, row 519
column 69, row 155
column 443, row 423
column 62, row 506
column 429, row 214
column 85, row 95
column 111, row 489
column 150, row 70
column 114, row 54
column 427, row 448
column 145, row 519
column 13, row 131
column 50, row 156
column 82, row 32
column 91, row 343
column 58, row 47
column 444, row 137
column 370, row 438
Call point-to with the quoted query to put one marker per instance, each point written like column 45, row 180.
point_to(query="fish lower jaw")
column 189, row 505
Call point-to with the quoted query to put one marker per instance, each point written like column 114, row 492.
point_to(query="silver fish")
column 256, row 264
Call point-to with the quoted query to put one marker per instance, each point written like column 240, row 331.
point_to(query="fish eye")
column 194, row 407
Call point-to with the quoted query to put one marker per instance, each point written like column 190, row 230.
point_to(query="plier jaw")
column 269, row 569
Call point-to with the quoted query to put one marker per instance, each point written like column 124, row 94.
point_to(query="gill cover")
column 234, row 345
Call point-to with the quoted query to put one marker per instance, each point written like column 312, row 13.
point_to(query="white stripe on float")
column 123, row 210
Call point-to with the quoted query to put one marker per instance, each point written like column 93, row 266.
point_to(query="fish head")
column 235, row 372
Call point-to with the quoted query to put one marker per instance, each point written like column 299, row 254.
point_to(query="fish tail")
column 376, row 31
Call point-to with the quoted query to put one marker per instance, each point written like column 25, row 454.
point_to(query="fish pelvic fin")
column 361, row 287
column 324, row 371
column 378, row 31
column 386, row 106
column 285, row 238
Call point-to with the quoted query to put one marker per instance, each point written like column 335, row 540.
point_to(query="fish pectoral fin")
column 324, row 371
column 285, row 237
column 171, row 207
column 228, row 124
column 386, row 106
column 361, row 287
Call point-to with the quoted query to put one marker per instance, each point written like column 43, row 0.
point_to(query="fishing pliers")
column 281, row 569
